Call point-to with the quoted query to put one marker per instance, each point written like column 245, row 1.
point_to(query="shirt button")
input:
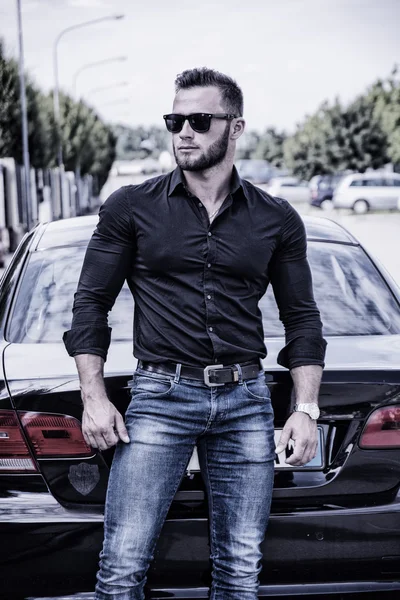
column 208, row 297
column 210, row 328
column 200, row 205
column 209, row 234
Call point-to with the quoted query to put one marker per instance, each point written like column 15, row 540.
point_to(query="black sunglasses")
column 199, row 122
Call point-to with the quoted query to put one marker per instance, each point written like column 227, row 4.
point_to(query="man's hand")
column 102, row 424
column 303, row 430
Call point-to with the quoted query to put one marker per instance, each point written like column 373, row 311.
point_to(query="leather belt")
column 212, row 375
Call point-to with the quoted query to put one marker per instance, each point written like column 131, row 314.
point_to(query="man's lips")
column 187, row 147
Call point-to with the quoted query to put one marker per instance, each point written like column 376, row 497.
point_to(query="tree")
column 386, row 98
column 247, row 144
column 40, row 134
column 88, row 143
column 140, row 142
column 336, row 139
column 270, row 147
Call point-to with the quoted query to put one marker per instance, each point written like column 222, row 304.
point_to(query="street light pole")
column 56, row 96
column 24, row 119
column 103, row 88
column 95, row 64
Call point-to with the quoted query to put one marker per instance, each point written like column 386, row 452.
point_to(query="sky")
column 288, row 56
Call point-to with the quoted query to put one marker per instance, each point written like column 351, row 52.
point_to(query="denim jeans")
column 232, row 426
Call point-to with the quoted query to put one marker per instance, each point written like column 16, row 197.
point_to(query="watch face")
column 310, row 408
column 313, row 411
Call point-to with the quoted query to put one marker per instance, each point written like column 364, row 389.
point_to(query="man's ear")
column 238, row 128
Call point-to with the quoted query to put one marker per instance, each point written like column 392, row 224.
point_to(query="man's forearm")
column 91, row 376
column 306, row 381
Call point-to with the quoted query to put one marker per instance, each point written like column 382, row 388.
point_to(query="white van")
column 368, row 191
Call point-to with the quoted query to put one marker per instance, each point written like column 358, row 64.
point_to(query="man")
column 198, row 248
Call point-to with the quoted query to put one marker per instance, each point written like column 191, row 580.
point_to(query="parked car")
column 255, row 170
column 289, row 188
column 334, row 523
column 368, row 191
column 321, row 190
column 143, row 166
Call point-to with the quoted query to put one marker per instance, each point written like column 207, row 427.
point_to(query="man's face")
column 199, row 151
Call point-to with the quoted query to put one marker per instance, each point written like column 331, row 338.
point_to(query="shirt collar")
column 178, row 180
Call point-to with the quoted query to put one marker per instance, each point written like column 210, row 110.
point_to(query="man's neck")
column 211, row 186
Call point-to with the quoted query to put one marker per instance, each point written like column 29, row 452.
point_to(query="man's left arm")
column 300, row 427
column 304, row 351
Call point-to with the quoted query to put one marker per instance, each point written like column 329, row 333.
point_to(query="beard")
column 211, row 157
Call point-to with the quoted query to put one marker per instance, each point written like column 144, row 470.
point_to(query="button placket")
column 209, row 292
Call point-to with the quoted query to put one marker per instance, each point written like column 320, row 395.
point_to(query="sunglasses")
column 199, row 122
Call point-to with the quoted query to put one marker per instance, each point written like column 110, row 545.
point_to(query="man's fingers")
column 300, row 451
column 120, row 428
column 304, row 452
column 283, row 440
column 103, row 426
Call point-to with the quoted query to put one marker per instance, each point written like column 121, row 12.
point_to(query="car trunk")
column 361, row 374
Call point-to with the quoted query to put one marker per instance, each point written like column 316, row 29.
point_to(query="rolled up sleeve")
column 106, row 265
column 291, row 280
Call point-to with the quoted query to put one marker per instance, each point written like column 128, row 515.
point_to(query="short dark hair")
column 232, row 95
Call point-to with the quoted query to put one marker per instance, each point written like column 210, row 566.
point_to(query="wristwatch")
column 311, row 408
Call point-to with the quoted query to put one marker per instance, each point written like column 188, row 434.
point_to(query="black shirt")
column 197, row 286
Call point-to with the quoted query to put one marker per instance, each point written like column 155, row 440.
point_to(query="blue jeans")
column 232, row 426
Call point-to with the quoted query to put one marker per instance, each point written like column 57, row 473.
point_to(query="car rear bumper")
column 48, row 549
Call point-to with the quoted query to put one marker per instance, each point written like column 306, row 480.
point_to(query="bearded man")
column 198, row 248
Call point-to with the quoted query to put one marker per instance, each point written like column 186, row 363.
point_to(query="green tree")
column 270, row 147
column 40, row 136
column 247, row 144
column 386, row 97
column 88, row 143
column 338, row 139
column 140, row 142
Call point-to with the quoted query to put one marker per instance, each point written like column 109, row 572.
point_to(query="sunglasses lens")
column 200, row 122
column 174, row 123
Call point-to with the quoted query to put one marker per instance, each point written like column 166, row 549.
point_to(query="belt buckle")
column 207, row 370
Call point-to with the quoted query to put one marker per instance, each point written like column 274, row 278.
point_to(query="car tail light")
column 314, row 194
column 382, row 429
column 54, row 435
column 14, row 452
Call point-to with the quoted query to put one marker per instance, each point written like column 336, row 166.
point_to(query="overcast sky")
column 287, row 55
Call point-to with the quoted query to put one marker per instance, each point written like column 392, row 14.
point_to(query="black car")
column 335, row 523
column 322, row 188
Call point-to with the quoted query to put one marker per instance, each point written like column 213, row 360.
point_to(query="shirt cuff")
column 302, row 351
column 88, row 339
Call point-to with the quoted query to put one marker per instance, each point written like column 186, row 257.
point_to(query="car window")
column 373, row 182
column 43, row 308
column 350, row 293
column 395, row 182
column 356, row 183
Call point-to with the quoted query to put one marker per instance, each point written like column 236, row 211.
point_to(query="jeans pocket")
column 151, row 385
column 257, row 389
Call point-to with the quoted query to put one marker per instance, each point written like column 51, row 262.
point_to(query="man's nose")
column 186, row 131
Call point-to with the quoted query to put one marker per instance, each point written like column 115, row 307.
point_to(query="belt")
column 212, row 375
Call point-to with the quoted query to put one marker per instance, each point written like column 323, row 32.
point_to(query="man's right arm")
column 106, row 265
